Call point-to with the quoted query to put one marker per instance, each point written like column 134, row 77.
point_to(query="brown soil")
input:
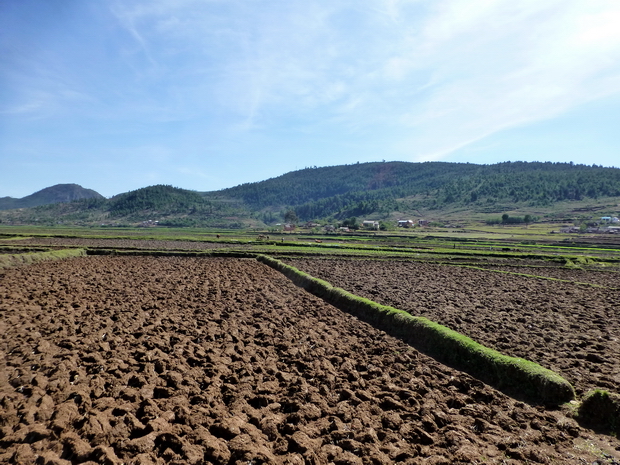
column 62, row 242
column 143, row 360
column 570, row 328
column 598, row 277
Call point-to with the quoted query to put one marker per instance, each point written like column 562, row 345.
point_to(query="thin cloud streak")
column 538, row 78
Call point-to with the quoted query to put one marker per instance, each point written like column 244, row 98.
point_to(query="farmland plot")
column 570, row 328
column 143, row 244
column 143, row 360
column 598, row 277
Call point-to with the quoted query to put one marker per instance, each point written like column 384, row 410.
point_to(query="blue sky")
column 116, row 95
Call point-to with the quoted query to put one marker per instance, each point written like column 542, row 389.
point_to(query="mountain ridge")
column 377, row 190
column 376, row 187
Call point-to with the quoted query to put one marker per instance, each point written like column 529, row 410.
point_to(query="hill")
column 381, row 188
column 169, row 206
column 162, row 205
column 379, row 191
column 54, row 194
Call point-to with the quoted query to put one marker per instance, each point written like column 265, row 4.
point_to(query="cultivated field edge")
column 515, row 376
column 9, row 260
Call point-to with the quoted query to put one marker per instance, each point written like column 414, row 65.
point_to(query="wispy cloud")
column 497, row 65
column 253, row 60
column 447, row 73
column 420, row 79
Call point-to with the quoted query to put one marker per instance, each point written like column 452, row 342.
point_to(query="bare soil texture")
column 570, row 328
column 604, row 277
column 144, row 360
column 146, row 244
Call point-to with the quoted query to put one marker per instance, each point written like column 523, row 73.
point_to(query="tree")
column 291, row 217
column 351, row 223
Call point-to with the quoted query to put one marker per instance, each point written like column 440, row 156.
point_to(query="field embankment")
column 17, row 259
column 516, row 376
column 118, row 243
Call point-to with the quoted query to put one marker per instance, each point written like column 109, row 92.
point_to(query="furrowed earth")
column 154, row 360
column 571, row 327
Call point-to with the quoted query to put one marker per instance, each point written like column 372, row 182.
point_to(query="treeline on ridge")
column 340, row 192
column 360, row 189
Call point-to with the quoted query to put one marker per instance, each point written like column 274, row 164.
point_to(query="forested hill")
column 312, row 184
column 160, row 204
column 386, row 190
column 49, row 195
column 361, row 189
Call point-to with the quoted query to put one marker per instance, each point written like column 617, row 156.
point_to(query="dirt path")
column 142, row 360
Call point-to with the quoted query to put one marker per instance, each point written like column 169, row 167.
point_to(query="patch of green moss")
column 600, row 410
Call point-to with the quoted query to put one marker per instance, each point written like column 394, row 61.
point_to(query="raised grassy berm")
column 515, row 376
column 8, row 260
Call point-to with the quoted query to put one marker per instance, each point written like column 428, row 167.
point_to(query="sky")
column 116, row 95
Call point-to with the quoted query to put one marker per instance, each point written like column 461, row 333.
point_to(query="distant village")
column 602, row 225
column 368, row 225
column 605, row 225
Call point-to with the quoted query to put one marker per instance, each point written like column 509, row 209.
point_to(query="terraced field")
column 609, row 278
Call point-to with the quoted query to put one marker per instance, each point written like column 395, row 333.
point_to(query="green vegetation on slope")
column 361, row 189
column 377, row 190
column 165, row 200
column 601, row 410
column 166, row 205
column 50, row 195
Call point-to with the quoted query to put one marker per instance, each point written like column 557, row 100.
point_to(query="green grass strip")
column 515, row 376
column 10, row 260
column 16, row 238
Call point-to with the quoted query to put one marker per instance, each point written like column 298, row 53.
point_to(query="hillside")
column 54, row 194
column 381, row 188
column 162, row 205
column 379, row 191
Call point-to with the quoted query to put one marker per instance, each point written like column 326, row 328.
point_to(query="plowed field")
column 599, row 277
column 570, row 328
column 143, row 360
column 62, row 242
